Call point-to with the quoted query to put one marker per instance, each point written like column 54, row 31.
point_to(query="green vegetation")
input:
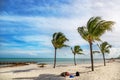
column 92, row 32
column 104, row 48
column 95, row 28
column 77, row 50
column 58, row 42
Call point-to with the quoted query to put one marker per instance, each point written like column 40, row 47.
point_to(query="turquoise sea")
column 50, row 60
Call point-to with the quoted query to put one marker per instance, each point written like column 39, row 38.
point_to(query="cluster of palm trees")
column 92, row 32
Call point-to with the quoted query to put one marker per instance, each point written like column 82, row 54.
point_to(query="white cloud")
column 27, row 52
column 80, row 12
column 41, row 39
column 114, row 52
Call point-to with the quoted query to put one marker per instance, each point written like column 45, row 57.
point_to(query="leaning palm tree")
column 77, row 50
column 104, row 48
column 95, row 28
column 58, row 42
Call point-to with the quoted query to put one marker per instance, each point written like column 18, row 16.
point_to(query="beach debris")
column 14, row 64
column 42, row 64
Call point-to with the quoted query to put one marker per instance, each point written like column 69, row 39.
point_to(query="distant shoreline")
column 47, row 60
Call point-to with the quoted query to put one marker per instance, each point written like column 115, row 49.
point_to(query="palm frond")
column 77, row 50
column 83, row 32
column 95, row 52
column 58, row 40
column 72, row 50
column 102, row 27
column 54, row 35
column 92, row 23
column 104, row 47
column 95, row 28
column 81, row 53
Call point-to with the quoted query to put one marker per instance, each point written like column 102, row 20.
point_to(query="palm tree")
column 77, row 50
column 95, row 28
column 104, row 48
column 58, row 42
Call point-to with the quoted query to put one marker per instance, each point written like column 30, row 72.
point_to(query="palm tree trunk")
column 55, row 58
column 91, row 54
column 104, row 59
column 74, row 60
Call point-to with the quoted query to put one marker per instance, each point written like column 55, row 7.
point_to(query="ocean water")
column 50, row 60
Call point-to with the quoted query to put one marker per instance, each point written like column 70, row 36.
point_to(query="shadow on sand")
column 49, row 77
column 17, row 71
column 85, row 72
column 24, row 78
column 94, row 66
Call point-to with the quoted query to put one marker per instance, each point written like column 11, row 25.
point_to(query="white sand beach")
column 34, row 72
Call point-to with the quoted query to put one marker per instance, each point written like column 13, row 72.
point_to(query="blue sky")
column 27, row 26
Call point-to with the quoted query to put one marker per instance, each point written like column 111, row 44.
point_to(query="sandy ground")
column 34, row 72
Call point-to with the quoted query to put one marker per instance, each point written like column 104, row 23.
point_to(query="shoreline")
column 22, row 63
column 46, row 61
